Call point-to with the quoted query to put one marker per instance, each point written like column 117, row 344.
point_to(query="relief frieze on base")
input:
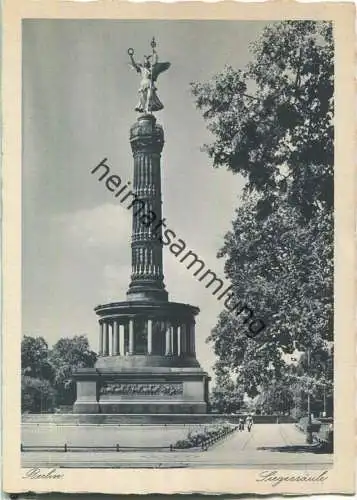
column 143, row 389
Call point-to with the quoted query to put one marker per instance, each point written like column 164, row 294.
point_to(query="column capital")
column 146, row 135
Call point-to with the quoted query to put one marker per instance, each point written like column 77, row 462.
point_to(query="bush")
column 303, row 425
column 182, row 444
column 37, row 396
column 198, row 438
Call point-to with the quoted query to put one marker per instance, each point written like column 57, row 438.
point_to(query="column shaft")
column 121, row 340
column 174, row 340
column 131, row 336
column 149, row 336
column 126, row 338
column 168, row 348
column 147, row 266
column 183, row 339
column 188, row 339
column 179, row 341
column 116, row 338
column 193, row 342
column 106, row 339
column 111, row 335
column 100, row 339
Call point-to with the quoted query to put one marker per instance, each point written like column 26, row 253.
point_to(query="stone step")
column 140, row 419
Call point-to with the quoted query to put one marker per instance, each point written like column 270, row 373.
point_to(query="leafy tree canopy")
column 47, row 373
column 70, row 353
column 226, row 396
column 34, row 358
column 37, row 395
column 272, row 124
column 66, row 356
column 286, row 271
column 276, row 397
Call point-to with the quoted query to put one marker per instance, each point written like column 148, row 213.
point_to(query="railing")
column 64, row 448
column 202, row 442
column 206, row 443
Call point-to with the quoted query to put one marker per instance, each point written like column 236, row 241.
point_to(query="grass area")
column 125, row 435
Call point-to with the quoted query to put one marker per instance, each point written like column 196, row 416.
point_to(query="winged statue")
column 149, row 70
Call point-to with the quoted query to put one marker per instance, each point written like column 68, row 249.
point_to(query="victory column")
column 147, row 361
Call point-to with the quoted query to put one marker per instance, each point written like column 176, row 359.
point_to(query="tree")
column 314, row 378
column 36, row 395
column 281, row 138
column 47, row 374
column 34, row 358
column 37, row 374
column 290, row 285
column 272, row 124
column 66, row 356
column 226, row 396
column 277, row 397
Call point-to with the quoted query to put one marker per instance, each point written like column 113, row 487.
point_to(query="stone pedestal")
column 162, row 391
column 149, row 366
column 87, row 391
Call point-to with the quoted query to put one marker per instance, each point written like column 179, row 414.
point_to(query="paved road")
column 268, row 446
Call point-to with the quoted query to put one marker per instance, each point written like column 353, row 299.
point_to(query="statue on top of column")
column 149, row 71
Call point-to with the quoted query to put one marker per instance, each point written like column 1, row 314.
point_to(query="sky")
column 79, row 95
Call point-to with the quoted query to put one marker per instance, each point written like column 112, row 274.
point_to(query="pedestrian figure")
column 241, row 423
column 249, row 422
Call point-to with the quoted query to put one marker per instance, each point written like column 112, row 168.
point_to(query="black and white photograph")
column 178, row 247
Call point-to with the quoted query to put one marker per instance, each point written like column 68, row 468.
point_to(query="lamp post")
column 324, row 410
column 324, row 387
column 309, row 421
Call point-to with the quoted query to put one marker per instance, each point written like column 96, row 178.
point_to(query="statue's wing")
column 159, row 68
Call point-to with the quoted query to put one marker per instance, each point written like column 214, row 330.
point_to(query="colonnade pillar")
column 179, row 341
column 101, row 339
column 131, row 336
column 106, row 340
column 149, row 330
column 186, row 338
column 174, row 331
column 183, row 339
column 121, row 340
column 126, row 339
column 193, row 339
column 168, row 344
column 112, row 339
column 118, row 339
column 116, row 347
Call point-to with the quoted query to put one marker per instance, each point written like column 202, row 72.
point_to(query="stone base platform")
column 149, row 419
column 152, row 390
column 72, row 419
column 140, row 407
